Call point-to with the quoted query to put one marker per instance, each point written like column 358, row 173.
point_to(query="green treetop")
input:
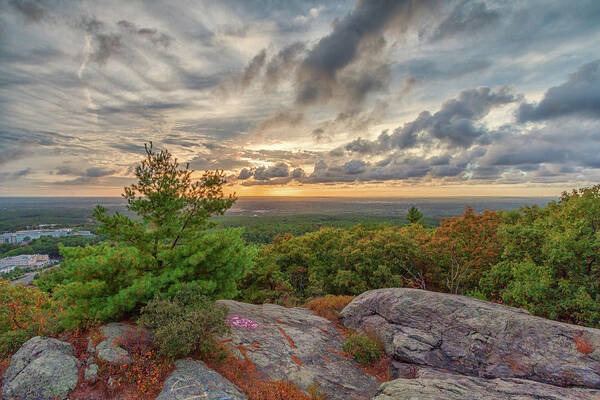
column 414, row 216
column 172, row 209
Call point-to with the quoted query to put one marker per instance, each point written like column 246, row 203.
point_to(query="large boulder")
column 430, row 384
column 477, row 338
column 295, row 345
column 194, row 380
column 42, row 369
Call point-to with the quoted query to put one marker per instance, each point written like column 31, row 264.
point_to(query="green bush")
column 365, row 349
column 184, row 322
column 339, row 262
column 551, row 260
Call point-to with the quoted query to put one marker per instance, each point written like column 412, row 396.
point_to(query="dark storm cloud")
column 395, row 167
column 580, row 95
column 128, row 147
column 197, row 80
column 34, row 57
column 374, row 80
column 20, row 143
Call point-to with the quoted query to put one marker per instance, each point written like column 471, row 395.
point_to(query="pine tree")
column 166, row 246
column 414, row 216
column 173, row 210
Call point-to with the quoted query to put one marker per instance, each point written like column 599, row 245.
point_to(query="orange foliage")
column 468, row 244
column 583, row 344
column 245, row 376
column 3, row 367
column 329, row 306
column 142, row 379
column 380, row 370
column 24, row 308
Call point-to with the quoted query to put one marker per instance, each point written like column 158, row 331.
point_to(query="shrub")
column 24, row 313
column 329, row 306
column 364, row 348
column 184, row 322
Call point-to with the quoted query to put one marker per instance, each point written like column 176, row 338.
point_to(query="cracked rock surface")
column 430, row 384
column 43, row 369
column 295, row 345
column 194, row 380
column 477, row 338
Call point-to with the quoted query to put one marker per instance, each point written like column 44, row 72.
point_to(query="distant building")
column 20, row 236
column 24, row 260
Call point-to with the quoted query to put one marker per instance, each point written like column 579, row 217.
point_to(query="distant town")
column 34, row 261
column 31, row 262
column 19, row 237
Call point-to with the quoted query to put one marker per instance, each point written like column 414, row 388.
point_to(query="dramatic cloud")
column 357, row 35
column 455, row 124
column 580, row 94
column 383, row 92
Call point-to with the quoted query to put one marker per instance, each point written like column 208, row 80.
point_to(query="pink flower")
column 236, row 320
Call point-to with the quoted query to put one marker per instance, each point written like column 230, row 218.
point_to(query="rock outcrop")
column 42, row 369
column 108, row 349
column 295, row 345
column 194, row 380
column 429, row 384
column 477, row 338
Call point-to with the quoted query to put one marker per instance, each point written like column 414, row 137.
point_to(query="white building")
column 20, row 236
column 24, row 260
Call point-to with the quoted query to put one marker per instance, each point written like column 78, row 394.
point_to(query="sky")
column 353, row 98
